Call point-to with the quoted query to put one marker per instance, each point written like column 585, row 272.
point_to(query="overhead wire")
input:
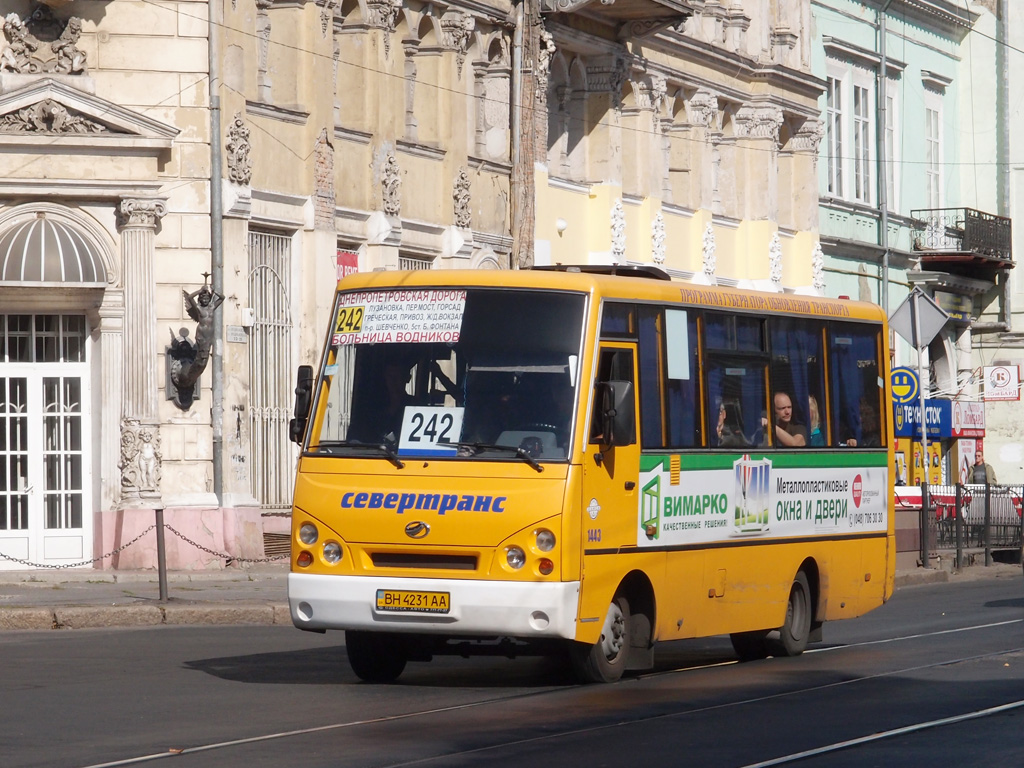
column 483, row 99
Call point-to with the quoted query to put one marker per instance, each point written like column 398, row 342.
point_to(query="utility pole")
column 526, row 48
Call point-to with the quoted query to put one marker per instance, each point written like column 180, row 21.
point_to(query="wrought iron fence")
column 973, row 516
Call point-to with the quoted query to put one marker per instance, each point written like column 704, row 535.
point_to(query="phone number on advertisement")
column 866, row 518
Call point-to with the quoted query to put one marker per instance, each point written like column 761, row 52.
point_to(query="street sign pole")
column 918, row 320
column 915, row 313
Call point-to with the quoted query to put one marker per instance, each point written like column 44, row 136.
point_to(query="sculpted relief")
column 42, row 44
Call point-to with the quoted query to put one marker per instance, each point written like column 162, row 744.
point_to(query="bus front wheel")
column 375, row 657
column 605, row 660
column 795, row 633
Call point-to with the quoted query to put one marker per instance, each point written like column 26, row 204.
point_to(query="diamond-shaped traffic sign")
column 918, row 319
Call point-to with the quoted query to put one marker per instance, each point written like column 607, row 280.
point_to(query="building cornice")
column 273, row 112
column 684, row 51
column 864, row 57
column 946, row 16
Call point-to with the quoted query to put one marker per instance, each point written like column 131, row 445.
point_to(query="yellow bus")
column 588, row 460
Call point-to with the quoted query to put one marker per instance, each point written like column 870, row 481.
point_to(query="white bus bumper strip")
column 484, row 608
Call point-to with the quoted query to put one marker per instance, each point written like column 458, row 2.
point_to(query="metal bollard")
column 925, row 531
column 988, row 524
column 161, row 555
column 959, row 526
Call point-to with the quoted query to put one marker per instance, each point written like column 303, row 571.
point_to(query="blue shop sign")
column 938, row 417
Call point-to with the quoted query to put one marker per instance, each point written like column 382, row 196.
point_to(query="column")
column 111, row 350
column 140, row 430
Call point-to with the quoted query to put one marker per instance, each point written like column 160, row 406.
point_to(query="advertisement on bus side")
column 753, row 498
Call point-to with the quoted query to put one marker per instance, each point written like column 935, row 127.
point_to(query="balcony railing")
column 962, row 232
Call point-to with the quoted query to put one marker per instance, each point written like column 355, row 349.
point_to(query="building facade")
column 181, row 185
column 684, row 137
column 910, row 196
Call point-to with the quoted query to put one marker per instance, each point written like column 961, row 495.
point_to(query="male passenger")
column 787, row 434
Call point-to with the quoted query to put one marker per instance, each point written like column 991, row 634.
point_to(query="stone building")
column 913, row 193
column 686, row 137
column 182, row 183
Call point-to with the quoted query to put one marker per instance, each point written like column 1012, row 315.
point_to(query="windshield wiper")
column 388, row 451
column 510, row 448
column 384, row 448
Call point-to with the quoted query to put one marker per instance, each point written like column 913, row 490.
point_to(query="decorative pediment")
column 50, row 107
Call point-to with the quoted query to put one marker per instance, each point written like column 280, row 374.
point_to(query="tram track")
column 620, row 722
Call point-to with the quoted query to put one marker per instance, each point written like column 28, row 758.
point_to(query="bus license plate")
column 422, row 602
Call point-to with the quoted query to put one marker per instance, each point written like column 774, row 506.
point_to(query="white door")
column 45, row 517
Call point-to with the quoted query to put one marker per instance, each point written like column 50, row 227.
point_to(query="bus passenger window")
column 737, row 402
column 669, row 378
column 856, row 386
column 798, row 377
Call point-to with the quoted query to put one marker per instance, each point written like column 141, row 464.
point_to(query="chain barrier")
column 83, row 562
column 222, row 555
column 179, row 534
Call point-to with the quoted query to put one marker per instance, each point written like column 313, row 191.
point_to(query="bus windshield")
column 461, row 373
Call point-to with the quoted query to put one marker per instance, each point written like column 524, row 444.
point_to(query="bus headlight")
column 308, row 534
column 516, row 557
column 545, row 540
column 332, row 552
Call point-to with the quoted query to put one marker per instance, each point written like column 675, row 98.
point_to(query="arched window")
column 44, row 249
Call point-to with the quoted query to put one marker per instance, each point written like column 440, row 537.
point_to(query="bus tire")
column 375, row 657
column 750, row 646
column 605, row 660
column 795, row 633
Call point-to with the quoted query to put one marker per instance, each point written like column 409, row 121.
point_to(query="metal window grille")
column 270, row 356
column 413, row 262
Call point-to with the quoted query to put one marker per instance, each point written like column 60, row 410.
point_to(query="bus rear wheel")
column 750, row 646
column 375, row 657
column 605, row 660
column 795, row 633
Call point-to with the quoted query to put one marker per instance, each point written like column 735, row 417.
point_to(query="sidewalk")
column 80, row 599
column 77, row 599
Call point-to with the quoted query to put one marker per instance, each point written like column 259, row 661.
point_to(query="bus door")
column 610, row 473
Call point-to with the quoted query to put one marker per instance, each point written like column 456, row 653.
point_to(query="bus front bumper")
column 478, row 608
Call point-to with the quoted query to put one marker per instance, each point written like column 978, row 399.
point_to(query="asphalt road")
column 936, row 677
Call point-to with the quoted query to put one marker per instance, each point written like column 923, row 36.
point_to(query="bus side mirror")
column 618, row 413
column 303, row 396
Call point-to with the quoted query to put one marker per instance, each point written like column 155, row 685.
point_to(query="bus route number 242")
column 430, row 430
column 350, row 320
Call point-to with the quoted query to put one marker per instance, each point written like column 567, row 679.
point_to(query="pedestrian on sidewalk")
column 982, row 473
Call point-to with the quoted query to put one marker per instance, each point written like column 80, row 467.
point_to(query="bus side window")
column 669, row 373
column 798, row 376
column 612, row 365
column 856, row 392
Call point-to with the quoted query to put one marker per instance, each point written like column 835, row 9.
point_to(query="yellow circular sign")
column 905, row 385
